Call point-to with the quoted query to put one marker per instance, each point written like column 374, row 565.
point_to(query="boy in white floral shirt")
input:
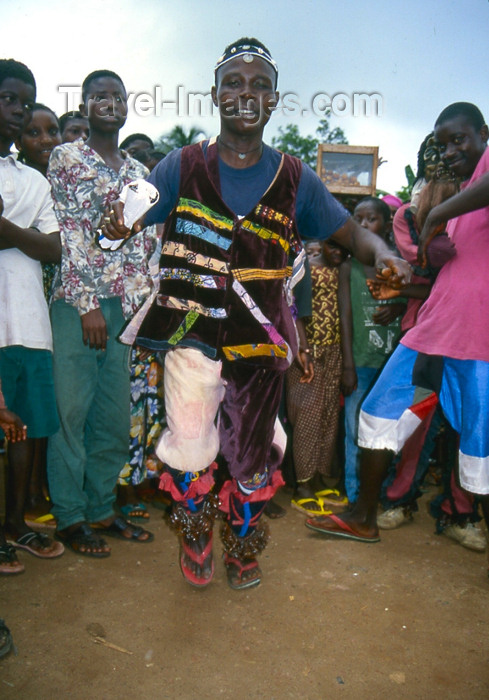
column 94, row 293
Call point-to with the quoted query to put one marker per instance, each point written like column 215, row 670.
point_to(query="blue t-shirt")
column 318, row 213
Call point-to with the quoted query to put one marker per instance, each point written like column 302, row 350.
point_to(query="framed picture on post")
column 348, row 169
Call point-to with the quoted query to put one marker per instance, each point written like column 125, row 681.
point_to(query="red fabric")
column 200, row 487
column 406, row 468
column 463, row 500
column 423, row 408
column 266, row 493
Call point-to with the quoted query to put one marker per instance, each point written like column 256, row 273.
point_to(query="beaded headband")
column 248, row 52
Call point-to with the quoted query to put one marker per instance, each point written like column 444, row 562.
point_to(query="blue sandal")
column 135, row 511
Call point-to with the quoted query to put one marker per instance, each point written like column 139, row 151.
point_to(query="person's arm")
column 381, row 291
column 387, row 314
column 320, row 215
column 10, row 423
column 370, row 249
column 304, row 356
column 303, row 304
column 348, row 374
column 45, row 247
column 166, row 178
column 470, row 199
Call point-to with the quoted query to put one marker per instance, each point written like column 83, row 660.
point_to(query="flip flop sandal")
column 83, row 536
column 8, row 556
column 338, row 528
column 300, row 504
column 135, row 511
column 117, row 528
column 47, row 520
column 28, row 539
column 200, row 559
column 332, row 496
column 235, row 569
column 6, row 641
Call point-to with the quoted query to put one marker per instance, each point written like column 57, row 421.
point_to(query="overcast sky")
column 418, row 56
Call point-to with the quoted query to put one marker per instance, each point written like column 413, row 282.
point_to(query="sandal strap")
column 197, row 558
column 228, row 559
column 8, row 553
column 84, row 535
column 121, row 524
column 28, row 537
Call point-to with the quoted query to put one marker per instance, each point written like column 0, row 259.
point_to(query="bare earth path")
column 406, row 618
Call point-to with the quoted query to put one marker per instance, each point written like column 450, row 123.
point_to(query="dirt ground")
column 406, row 618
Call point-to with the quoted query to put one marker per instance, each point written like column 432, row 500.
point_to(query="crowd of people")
column 246, row 303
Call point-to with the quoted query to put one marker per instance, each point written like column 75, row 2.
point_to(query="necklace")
column 241, row 154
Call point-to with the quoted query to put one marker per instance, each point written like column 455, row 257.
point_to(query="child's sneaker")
column 467, row 535
column 394, row 517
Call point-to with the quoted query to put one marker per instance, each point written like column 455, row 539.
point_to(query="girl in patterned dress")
column 313, row 381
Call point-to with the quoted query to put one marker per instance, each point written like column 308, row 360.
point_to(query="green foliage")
column 405, row 192
column 291, row 141
column 178, row 137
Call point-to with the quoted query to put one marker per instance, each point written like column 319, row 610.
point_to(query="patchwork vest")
column 223, row 277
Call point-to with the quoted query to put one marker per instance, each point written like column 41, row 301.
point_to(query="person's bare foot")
column 122, row 529
column 9, row 564
column 38, row 544
column 242, row 573
column 345, row 525
column 196, row 559
column 81, row 539
column 273, row 510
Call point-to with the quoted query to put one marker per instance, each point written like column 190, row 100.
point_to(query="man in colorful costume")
column 234, row 211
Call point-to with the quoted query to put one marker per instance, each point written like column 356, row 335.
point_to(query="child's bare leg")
column 20, row 456
column 362, row 519
column 305, row 489
column 37, row 501
column 485, row 509
column 374, row 465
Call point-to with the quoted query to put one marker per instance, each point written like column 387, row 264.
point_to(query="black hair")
column 148, row 155
column 68, row 116
column 421, row 162
column 462, row 109
column 95, row 75
column 136, row 137
column 381, row 207
column 9, row 68
column 39, row 107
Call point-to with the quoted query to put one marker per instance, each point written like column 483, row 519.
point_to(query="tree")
column 291, row 141
column 178, row 137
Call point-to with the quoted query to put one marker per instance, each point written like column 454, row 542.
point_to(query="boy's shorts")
column 410, row 384
column 28, row 388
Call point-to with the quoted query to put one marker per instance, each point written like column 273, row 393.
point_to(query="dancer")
column 234, row 210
